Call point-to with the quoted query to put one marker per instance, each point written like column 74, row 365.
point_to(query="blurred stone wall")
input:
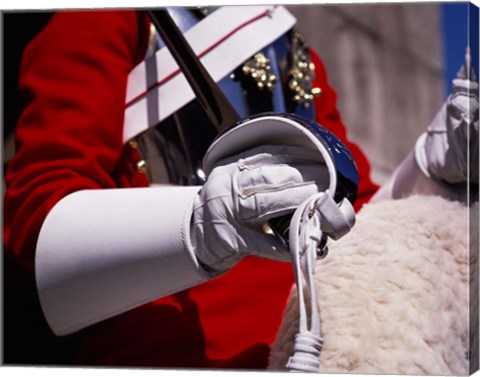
column 385, row 62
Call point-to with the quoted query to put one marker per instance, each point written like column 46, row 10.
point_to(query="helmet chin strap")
column 315, row 219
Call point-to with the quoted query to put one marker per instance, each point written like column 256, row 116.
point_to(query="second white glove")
column 244, row 192
column 451, row 143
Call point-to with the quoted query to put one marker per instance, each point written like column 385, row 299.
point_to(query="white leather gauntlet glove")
column 103, row 252
column 445, row 157
column 451, row 142
column 242, row 193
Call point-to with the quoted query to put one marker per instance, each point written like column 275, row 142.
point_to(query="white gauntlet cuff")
column 103, row 252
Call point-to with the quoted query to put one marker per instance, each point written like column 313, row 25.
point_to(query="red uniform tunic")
column 69, row 138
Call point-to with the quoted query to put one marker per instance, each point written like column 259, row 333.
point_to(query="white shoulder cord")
column 314, row 219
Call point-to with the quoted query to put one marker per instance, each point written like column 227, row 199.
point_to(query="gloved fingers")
column 270, row 177
column 451, row 144
column 451, row 134
column 273, row 190
column 286, row 165
column 261, row 206
column 267, row 181
column 463, row 105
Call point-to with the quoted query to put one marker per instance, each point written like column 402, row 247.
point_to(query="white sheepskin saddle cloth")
column 394, row 293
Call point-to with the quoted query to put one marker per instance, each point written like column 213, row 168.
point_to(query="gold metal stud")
column 302, row 73
column 258, row 68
